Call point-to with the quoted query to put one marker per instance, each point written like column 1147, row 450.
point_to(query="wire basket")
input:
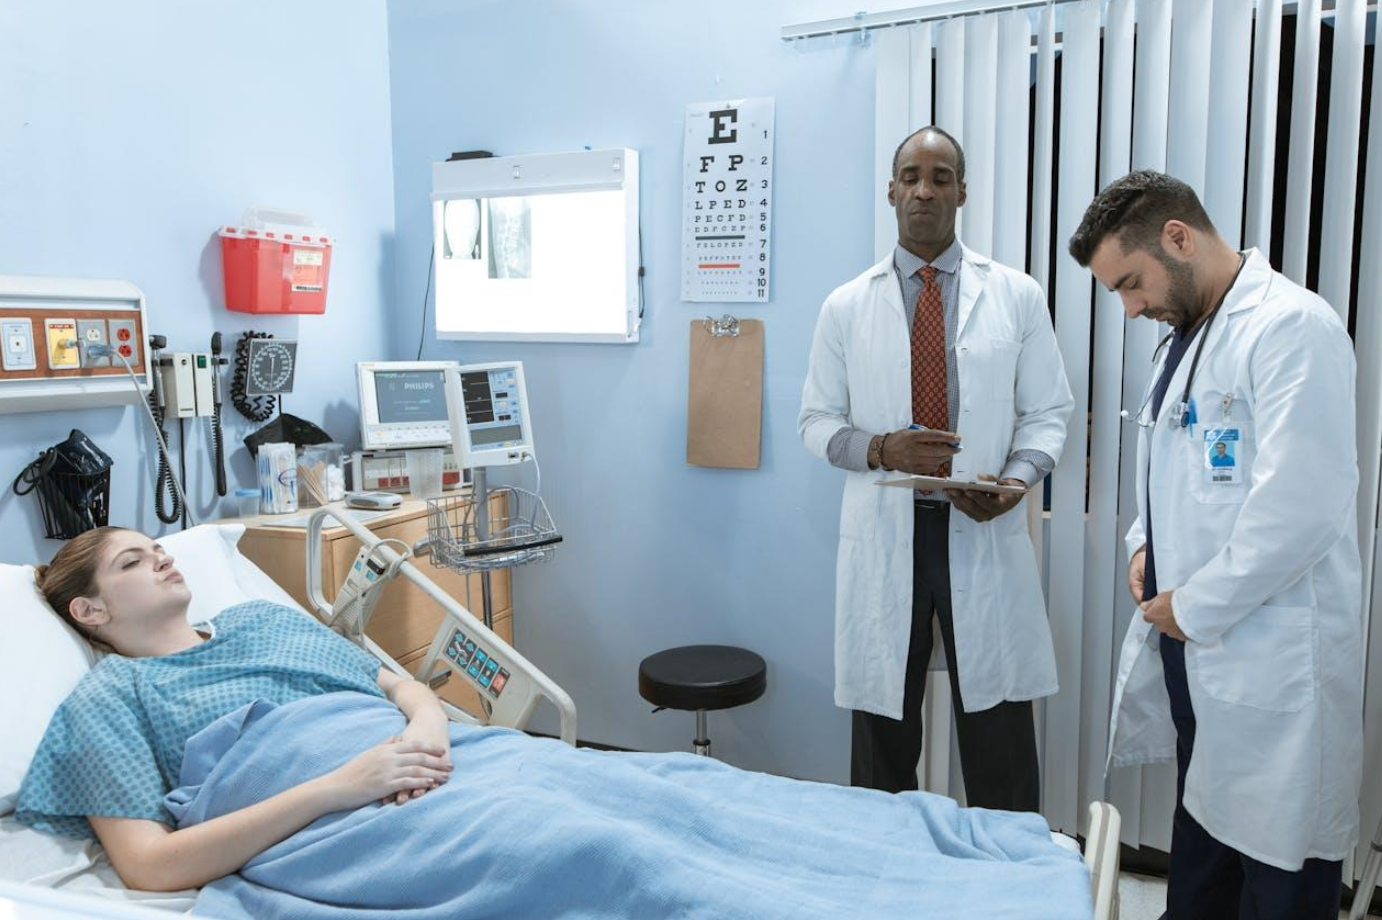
column 72, row 480
column 511, row 528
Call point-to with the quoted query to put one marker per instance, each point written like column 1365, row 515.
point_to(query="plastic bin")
column 276, row 262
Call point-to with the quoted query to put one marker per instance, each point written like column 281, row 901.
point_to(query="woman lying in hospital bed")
column 270, row 762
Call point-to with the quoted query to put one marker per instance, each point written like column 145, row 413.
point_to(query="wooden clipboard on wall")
column 724, row 411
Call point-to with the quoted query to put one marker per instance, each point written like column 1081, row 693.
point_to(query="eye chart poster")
column 727, row 201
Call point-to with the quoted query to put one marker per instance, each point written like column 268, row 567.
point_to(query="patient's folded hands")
column 434, row 733
column 398, row 770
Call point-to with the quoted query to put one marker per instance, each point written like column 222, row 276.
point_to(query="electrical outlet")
column 91, row 332
column 125, row 341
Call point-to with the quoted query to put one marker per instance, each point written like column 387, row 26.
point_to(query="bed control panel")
column 468, row 650
column 481, row 666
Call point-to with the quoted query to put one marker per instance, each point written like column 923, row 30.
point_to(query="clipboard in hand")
column 937, row 484
column 724, row 409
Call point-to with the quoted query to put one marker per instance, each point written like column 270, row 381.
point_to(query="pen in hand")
column 955, row 444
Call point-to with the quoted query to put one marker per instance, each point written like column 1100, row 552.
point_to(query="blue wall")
column 128, row 134
column 658, row 553
column 130, row 131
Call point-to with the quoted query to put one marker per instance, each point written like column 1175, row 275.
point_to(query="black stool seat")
column 696, row 677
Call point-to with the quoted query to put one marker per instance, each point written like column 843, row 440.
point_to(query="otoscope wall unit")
column 47, row 328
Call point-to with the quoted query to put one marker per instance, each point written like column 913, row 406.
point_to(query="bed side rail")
column 1101, row 857
column 463, row 645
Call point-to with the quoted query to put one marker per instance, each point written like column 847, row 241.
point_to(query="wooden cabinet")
column 405, row 620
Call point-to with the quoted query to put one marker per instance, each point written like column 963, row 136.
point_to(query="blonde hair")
column 72, row 574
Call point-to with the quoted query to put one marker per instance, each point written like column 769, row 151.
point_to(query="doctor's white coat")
column 1266, row 578
column 1013, row 396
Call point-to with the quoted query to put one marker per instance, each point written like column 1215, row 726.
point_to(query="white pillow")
column 205, row 555
column 42, row 658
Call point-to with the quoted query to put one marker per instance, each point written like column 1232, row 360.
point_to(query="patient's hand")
column 434, row 736
column 392, row 770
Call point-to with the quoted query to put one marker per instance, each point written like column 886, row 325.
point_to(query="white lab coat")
column 1013, row 396
column 1266, row 578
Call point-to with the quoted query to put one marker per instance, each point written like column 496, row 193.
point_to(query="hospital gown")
column 115, row 746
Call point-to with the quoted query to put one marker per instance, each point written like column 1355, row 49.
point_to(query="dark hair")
column 932, row 129
column 72, row 574
column 1136, row 208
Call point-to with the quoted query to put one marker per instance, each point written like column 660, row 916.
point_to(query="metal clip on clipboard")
column 724, row 326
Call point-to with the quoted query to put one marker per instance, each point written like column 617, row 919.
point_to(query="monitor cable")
column 422, row 332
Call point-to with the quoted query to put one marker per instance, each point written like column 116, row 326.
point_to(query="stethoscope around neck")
column 1182, row 414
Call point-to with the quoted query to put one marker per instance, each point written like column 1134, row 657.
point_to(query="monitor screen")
column 410, row 396
column 493, row 408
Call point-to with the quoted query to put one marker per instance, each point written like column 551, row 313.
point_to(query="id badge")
column 1221, row 456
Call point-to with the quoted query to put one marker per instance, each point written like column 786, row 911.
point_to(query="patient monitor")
column 403, row 404
column 488, row 405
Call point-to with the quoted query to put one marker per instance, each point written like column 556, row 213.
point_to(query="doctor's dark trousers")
column 1209, row 880
column 997, row 746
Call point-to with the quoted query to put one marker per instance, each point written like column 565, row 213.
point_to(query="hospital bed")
column 1367, row 879
column 51, row 870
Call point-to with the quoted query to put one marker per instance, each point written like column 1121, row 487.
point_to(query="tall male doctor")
column 939, row 336
column 1245, row 663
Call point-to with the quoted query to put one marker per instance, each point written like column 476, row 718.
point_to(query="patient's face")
column 138, row 582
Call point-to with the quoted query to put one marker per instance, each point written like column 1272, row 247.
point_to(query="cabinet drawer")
column 457, row 691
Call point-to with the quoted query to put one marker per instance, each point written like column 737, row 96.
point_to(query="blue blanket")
column 534, row 828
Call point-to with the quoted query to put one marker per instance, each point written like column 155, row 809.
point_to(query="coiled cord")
column 164, row 488
column 254, row 408
column 218, row 446
column 182, row 464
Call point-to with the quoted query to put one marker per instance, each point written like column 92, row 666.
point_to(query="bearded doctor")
column 1244, row 664
column 941, row 338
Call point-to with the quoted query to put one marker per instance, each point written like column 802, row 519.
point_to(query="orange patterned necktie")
column 930, row 400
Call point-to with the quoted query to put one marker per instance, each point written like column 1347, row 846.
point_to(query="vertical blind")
column 1074, row 96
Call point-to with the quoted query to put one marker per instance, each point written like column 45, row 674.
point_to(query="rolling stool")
column 698, row 678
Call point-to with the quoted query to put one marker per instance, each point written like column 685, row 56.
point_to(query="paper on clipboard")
column 937, row 483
